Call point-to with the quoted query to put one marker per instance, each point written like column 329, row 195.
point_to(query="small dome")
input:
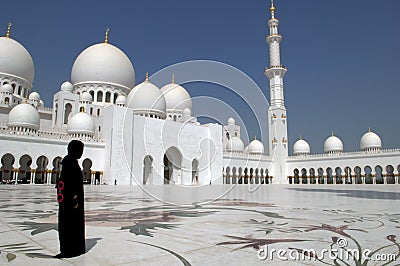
column 67, row 86
column 121, row 100
column 15, row 60
column 146, row 98
column 85, row 97
column 34, row 96
column 301, row 147
column 81, row 123
column 235, row 144
column 231, row 121
column 176, row 97
column 103, row 62
column 256, row 147
column 6, row 88
column 41, row 103
column 24, row 115
column 369, row 141
column 333, row 144
column 187, row 112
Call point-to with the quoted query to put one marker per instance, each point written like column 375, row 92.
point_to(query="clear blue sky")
column 342, row 56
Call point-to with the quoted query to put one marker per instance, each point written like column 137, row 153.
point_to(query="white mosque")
column 138, row 134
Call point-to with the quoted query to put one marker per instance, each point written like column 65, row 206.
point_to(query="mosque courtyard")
column 208, row 225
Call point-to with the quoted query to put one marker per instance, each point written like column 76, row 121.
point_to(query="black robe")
column 71, row 218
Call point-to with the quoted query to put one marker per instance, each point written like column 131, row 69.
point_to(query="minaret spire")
column 106, row 37
column 277, row 117
column 272, row 9
column 8, row 30
column 275, row 72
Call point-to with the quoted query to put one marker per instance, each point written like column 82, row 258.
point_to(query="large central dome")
column 15, row 60
column 103, row 62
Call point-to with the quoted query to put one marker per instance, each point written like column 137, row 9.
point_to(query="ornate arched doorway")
column 6, row 170
column 148, row 170
column 172, row 166
column 24, row 173
column 87, row 171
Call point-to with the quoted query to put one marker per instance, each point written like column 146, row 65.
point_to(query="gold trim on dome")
column 147, row 76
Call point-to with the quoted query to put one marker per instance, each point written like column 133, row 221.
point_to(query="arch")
column 368, row 175
column 41, row 173
column 227, row 175
column 296, row 176
column 172, row 166
column 91, row 92
column 304, row 176
column 115, row 97
column 108, row 97
column 87, row 171
column 267, row 176
column 195, row 171
column 347, row 175
column 338, row 173
column 99, row 96
column 321, row 179
column 329, row 176
column 357, row 175
column 234, row 180
column 67, row 112
column 82, row 109
column 56, row 172
column 147, row 170
column 7, row 162
column 251, row 179
column 312, row 176
column 227, row 136
column 390, row 178
column 256, row 176
column 240, row 177
column 55, row 112
column 24, row 173
column 98, row 112
column 7, row 100
column 398, row 174
column 246, row 176
column 379, row 175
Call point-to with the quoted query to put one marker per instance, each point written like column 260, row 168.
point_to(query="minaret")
column 277, row 119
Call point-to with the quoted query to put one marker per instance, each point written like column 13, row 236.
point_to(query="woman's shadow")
column 90, row 243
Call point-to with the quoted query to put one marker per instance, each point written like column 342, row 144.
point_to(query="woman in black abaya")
column 71, row 218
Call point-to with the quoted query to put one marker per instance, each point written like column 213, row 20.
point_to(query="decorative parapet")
column 344, row 154
column 44, row 133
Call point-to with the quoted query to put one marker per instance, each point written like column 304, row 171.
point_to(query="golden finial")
column 272, row 8
column 8, row 30
column 106, row 38
column 147, row 76
column 369, row 129
column 173, row 78
column 301, row 137
column 255, row 138
column 332, row 133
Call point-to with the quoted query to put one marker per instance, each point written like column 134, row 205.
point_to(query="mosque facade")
column 138, row 134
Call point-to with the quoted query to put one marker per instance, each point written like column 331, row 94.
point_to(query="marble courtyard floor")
column 209, row 225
